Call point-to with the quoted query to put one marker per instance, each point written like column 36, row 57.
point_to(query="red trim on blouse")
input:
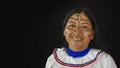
column 74, row 65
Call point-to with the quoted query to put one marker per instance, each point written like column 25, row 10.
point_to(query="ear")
column 64, row 32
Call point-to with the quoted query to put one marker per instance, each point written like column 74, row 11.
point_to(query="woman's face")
column 78, row 32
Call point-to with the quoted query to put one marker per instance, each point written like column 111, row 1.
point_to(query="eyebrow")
column 81, row 23
column 84, row 23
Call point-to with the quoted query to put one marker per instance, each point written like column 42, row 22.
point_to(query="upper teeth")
column 77, row 38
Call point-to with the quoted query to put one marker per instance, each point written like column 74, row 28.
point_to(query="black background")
column 44, row 33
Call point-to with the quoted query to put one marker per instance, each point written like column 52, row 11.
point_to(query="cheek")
column 88, row 36
column 67, row 32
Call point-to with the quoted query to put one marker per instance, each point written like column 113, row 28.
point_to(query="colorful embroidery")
column 74, row 65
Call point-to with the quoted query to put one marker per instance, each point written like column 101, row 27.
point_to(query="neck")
column 77, row 54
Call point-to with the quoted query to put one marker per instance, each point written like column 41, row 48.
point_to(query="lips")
column 77, row 38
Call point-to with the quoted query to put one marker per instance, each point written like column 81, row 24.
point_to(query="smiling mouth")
column 77, row 38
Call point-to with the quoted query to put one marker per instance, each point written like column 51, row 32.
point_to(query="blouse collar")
column 77, row 54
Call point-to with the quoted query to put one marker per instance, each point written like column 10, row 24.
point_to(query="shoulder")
column 59, row 50
column 99, row 51
column 55, row 50
column 109, row 61
column 95, row 53
column 51, row 60
column 100, row 55
column 106, row 59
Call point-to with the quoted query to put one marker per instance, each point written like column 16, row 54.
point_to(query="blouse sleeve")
column 110, row 62
column 50, row 62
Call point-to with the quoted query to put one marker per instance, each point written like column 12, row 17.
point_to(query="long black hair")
column 96, row 42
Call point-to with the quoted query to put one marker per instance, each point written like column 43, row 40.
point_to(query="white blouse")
column 95, row 58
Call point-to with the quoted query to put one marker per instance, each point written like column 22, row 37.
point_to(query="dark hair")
column 96, row 42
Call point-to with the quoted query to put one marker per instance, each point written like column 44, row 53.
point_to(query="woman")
column 81, row 35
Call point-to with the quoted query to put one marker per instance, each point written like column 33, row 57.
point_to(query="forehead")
column 79, row 16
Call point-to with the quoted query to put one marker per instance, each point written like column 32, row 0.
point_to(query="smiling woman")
column 82, row 51
column 78, row 32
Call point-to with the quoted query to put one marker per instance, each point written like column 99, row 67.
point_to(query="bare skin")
column 78, row 32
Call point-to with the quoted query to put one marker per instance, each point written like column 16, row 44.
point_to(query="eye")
column 85, row 27
column 71, row 26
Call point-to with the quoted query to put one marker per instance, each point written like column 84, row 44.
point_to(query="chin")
column 76, row 46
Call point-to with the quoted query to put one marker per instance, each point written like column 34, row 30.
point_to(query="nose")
column 77, row 29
